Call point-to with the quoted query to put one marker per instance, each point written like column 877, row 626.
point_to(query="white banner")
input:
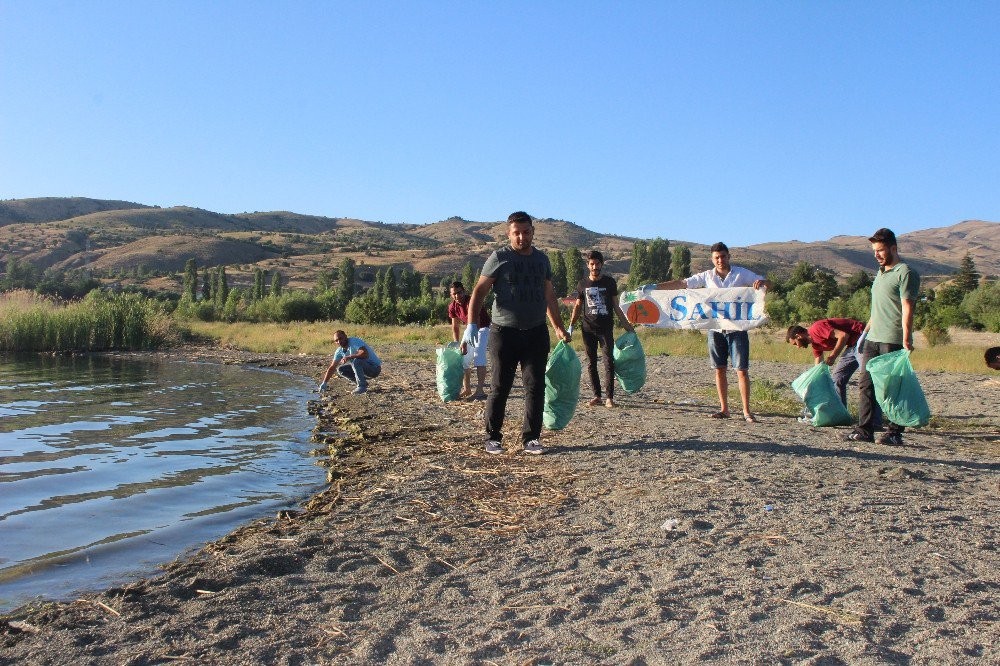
column 732, row 309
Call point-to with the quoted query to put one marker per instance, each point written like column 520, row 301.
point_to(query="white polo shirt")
column 737, row 277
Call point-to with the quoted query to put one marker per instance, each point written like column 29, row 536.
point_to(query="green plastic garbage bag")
column 816, row 388
column 630, row 362
column 897, row 390
column 562, row 387
column 449, row 373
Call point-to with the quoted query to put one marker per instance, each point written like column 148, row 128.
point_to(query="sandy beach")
column 648, row 534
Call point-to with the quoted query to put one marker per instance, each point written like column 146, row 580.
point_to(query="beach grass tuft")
column 101, row 321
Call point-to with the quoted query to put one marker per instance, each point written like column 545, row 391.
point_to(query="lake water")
column 109, row 468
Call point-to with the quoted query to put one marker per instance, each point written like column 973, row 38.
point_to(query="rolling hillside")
column 112, row 238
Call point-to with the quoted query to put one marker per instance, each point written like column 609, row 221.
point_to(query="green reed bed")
column 99, row 322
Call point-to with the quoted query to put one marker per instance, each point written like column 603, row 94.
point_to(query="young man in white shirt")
column 725, row 347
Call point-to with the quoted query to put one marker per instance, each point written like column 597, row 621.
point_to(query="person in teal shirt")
column 354, row 360
column 889, row 329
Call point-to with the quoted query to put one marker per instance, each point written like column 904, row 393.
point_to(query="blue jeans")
column 359, row 371
column 729, row 346
column 842, row 372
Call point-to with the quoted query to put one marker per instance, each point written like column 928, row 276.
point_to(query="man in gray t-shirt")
column 521, row 278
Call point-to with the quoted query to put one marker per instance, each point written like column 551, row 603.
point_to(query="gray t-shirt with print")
column 519, row 287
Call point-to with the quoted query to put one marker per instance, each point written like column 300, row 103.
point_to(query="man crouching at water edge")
column 521, row 278
column 355, row 361
column 724, row 347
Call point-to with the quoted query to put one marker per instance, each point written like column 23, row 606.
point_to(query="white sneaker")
column 533, row 447
column 493, row 446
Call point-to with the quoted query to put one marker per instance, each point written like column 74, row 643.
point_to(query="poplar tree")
column 559, row 284
column 639, row 266
column 190, row 290
column 468, row 278
column 206, row 285
column 345, row 288
column 389, row 288
column 574, row 267
column 659, row 261
column 276, row 284
column 221, row 293
column 681, row 264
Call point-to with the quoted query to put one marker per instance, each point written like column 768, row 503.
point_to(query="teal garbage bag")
column 562, row 387
column 816, row 388
column 630, row 362
column 449, row 373
column 897, row 390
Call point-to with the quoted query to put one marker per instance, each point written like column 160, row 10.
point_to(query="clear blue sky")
column 745, row 122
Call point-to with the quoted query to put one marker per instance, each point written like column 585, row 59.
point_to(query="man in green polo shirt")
column 889, row 329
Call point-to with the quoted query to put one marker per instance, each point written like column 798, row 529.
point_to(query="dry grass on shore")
column 768, row 344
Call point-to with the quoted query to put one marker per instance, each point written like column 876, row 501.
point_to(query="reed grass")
column 765, row 345
column 32, row 323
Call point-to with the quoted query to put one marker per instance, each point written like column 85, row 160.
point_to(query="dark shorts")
column 729, row 348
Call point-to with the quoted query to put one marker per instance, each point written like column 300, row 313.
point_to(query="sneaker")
column 805, row 419
column 493, row 446
column 859, row 437
column 359, row 390
column 533, row 447
column 891, row 438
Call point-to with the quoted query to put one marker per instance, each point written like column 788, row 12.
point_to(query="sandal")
column 750, row 418
column 595, row 402
column 720, row 415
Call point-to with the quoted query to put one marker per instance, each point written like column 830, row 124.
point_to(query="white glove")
column 471, row 336
column 569, row 331
column 646, row 288
column 322, row 387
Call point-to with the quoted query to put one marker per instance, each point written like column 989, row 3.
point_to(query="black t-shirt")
column 599, row 298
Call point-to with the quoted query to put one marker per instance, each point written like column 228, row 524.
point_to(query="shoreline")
column 425, row 549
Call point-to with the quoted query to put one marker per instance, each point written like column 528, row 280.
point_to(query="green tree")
column 257, row 293
column 802, row 273
column 468, row 278
column 190, row 289
column 345, row 288
column 983, row 306
column 559, row 282
column 967, row 279
column 639, row 267
column 426, row 293
column 276, row 284
column 681, row 265
column 659, row 260
column 574, row 267
column 389, row 287
column 221, row 293
column 856, row 282
column 206, row 285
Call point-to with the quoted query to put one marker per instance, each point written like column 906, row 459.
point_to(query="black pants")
column 508, row 349
column 605, row 339
column 868, row 409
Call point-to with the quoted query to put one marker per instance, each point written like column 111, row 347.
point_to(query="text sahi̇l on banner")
column 730, row 309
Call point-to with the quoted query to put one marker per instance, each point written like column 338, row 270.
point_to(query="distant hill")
column 112, row 238
column 15, row 211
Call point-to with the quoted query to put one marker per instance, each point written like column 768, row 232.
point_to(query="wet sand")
column 788, row 545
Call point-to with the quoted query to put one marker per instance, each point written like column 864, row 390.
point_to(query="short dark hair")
column 992, row 355
column 519, row 217
column 720, row 247
column 337, row 334
column 457, row 285
column 884, row 236
column 794, row 331
column 595, row 255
